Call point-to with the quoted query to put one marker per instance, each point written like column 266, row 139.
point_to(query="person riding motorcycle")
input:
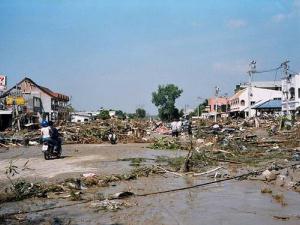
column 54, row 135
column 45, row 131
column 112, row 137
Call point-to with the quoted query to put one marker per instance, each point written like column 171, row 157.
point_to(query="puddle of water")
column 231, row 203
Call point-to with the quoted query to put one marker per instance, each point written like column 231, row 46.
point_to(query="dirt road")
column 76, row 159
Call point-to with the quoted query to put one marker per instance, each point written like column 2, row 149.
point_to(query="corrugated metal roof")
column 271, row 104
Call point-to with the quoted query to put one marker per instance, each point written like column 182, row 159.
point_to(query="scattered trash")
column 266, row 191
column 296, row 157
column 88, row 175
column 110, row 205
column 121, row 195
column 269, row 175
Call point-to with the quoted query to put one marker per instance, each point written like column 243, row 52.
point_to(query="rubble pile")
column 94, row 132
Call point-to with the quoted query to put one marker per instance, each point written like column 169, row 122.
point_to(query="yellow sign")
column 10, row 100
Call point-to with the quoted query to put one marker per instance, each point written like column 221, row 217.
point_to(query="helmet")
column 44, row 123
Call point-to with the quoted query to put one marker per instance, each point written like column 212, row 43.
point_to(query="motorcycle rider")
column 112, row 136
column 45, row 131
column 54, row 135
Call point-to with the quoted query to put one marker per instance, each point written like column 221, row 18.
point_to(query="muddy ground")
column 101, row 159
column 230, row 202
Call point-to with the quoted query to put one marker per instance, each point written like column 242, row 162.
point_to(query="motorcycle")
column 50, row 151
column 112, row 137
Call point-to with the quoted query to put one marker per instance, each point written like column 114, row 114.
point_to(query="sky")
column 114, row 54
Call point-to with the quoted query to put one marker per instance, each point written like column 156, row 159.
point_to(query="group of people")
column 50, row 134
column 178, row 126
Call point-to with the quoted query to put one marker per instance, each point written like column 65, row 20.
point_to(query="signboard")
column 10, row 100
column 3, row 82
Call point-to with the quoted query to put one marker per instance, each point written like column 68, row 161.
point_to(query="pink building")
column 222, row 103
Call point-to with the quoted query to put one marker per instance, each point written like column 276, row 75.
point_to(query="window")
column 277, row 98
column 298, row 92
column 252, row 103
column 242, row 102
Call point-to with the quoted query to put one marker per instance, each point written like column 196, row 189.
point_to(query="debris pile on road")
column 94, row 132
column 165, row 143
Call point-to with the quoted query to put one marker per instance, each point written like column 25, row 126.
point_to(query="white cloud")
column 236, row 23
column 295, row 12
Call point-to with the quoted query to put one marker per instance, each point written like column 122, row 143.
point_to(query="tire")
column 46, row 155
column 59, row 153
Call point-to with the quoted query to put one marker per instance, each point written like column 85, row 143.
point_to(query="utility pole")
column 226, row 97
column 252, row 70
column 217, row 90
column 287, row 85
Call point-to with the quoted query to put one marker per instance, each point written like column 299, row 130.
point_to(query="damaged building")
column 29, row 103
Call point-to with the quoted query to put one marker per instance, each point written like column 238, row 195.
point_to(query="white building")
column 291, row 94
column 81, row 117
column 239, row 103
column 272, row 85
column 39, row 100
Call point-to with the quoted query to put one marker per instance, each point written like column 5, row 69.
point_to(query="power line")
column 267, row 71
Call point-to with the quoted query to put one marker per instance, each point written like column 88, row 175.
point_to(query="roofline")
column 44, row 89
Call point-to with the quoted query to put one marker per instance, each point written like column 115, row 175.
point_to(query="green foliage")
column 70, row 108
column 201, row 107
column 165, row 99
column 131, row 115
column 165, row 143
column 140, row 113
column 120, row 114
column 104, row 115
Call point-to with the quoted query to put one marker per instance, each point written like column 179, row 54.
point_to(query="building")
column 81, row 117
column 271, row 85
column 220, row 103
column 291, row 94
column 269, row 107
column 239, row 102
column 35, row 102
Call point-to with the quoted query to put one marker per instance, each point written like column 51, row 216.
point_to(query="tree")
column 120, row 114
column 201, row 107
column 104, row 115
column 140, row 113
column 165, row 99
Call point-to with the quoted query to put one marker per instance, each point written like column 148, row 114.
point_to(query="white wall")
column 258, row 95
column 291, row 104
column 79, row 119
